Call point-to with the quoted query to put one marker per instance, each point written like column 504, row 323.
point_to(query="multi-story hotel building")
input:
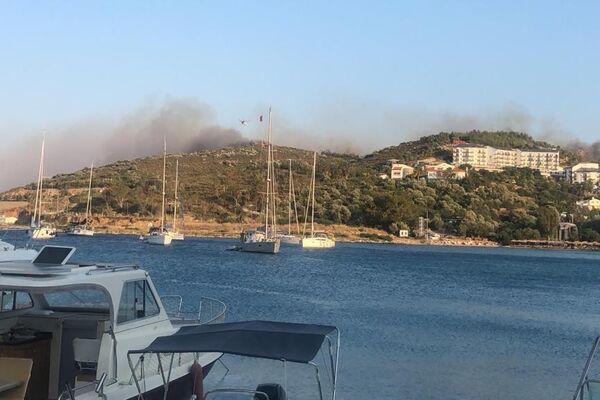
column 490, row 158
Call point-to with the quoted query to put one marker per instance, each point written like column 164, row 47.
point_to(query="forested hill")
column 439, row 146
column 226, row 185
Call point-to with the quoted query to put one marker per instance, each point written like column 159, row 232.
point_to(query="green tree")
column 548, row 220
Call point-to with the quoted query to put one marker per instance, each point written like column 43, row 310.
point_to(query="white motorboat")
column 84, row 229
column 39, row 230
column 255, row 241
column 75, row 325
column 161, row 236
column 8, row 252
column 317, row 239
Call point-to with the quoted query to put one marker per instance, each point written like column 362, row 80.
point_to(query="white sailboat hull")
column 267, row 246
column 178, row 236
column 163, row 239
column 317, row 243
column 41, row 233
column 81, row 232
column 290, row 239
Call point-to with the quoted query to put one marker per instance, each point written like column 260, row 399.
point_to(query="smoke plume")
column 188, row 125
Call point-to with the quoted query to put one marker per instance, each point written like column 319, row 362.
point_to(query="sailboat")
column 317, row 239
column 176, row 235
column 85, row 229
column 161, row 236
column 289, row 237
column 38, row 230
column 257, row 241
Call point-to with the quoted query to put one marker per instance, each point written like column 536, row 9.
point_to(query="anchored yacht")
column 85, row 229
column 161, row 236
column 317, row 239
column 70, row 326
column 39, row 230
column 256, row 241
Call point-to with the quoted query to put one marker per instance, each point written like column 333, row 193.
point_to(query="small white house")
column 403, row 233
column 401, row 171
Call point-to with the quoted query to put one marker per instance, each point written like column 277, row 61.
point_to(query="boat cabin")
column 68, row 318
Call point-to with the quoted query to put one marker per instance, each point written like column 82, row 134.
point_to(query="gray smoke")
column 187, row 124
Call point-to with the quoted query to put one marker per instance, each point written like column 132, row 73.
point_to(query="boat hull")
column 41, row 233
column 317, row 243
column 159, row 240
column 81, row 232
column 178, row 236
column 267, row 246
column 290, row 239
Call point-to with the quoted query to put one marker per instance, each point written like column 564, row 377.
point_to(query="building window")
column 137, row 301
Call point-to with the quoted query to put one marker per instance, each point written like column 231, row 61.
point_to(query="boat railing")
column 209, row 311
column 585, row 382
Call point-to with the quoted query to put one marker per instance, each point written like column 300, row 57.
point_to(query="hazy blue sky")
column 373, row 71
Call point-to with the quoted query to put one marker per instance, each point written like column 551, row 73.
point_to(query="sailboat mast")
column 268, row 175
column 176, row 197
column 312, row 227
column 88, row 205
column 293, row 189
column 290, row 199
column 162, row 215
column 39, row 182
column 39, row 223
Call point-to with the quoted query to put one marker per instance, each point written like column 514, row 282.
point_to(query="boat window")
column 78, row 299
column 137, row 301
column 14, row 300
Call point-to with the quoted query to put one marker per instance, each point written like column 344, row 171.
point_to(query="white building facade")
column 490, row 158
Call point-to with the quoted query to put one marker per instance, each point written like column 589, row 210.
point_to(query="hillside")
column 439, row 146
column 226, row 186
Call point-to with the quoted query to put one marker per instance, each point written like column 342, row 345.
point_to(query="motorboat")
column 74, row 324
column 85, row 229
column 316, row 239
column 265, row 241
column 256, row 241
column 8, row 252
column 288, row 343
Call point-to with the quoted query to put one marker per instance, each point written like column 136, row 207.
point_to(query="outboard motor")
column 273, row 390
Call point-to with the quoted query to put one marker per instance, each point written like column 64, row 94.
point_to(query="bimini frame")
column 166, row 374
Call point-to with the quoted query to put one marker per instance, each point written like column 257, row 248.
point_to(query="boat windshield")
column 90, row 299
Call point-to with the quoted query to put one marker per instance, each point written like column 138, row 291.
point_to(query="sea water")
column 417, row 322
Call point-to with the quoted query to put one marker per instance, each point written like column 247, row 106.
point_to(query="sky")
column 350, row 75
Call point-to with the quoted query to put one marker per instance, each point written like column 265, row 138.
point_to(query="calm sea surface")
column 416, row 322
